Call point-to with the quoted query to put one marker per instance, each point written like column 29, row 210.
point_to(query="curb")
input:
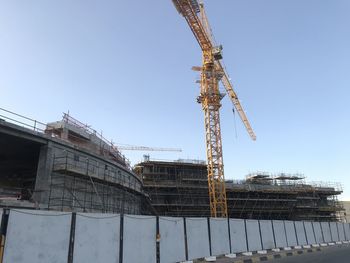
column 288, row 253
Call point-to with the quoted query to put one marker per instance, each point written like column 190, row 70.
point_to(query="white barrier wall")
column 139, row 239
column 238, row 236
column 197, row 238
column 290, row 232
column 309, row 233
column 37, row 237
column 267, row 238
column 318, row 232
column 220, row 242
column 280, row 233
column 347, row 231
column 326, row 232
column 96, row 238
column 172, row 239
column 34, row 236
column 341, row 231
column 253, row 235
column 334, row 231
column 301, row 236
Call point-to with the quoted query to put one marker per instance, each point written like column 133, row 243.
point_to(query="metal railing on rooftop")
column 40, row 127
column 20, row 120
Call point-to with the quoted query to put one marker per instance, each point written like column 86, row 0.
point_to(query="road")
column 336, row 254
column 330, row 254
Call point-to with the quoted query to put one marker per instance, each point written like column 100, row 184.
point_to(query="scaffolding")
column 80, row 170
column 89, row 185
column 180, row 189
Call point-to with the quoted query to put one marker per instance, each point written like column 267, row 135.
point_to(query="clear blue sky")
column 124, row 67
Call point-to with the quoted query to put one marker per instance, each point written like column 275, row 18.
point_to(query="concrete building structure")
column 346, row 205
column 64, row 166
column 180, row 188
column 68, row 166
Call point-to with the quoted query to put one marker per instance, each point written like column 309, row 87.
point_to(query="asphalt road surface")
column 336, row 254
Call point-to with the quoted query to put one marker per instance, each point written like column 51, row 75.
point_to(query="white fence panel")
column 253, row 235
column 37, row 237
column 326, row 232
column 290, row 231
column 172, row 239
column 220, row 242
column 341, row 231
column 318, row 232
column 301, row 236
column 197, row 238
column 309, row 233
column 280, row 233
column 96, row 238
column 238, row 236
column 139, row 236
column 347, row 231
column 268, row 240
column 334, row 231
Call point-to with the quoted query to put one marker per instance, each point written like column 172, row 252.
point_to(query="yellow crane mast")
column 212, row 71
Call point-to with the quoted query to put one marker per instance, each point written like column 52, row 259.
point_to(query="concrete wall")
column 37, row 237
column 238, row 236
column 219, row 236
column 96, row 238
column 197, row 238
column 57, row 165
column 172, row 239
column 139, row 239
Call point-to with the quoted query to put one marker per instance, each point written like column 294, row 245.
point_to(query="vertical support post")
column 246, row 235
column 185, row 237
column 307, row 241
column 261, row 242
column 3, row 231
column 285, row 233
column 313, row 231
column 229, row 234
column 121, row 234
column 72, row 238
column 273, row 233
column 157, row 240
column 209, row 235
column 296, row 235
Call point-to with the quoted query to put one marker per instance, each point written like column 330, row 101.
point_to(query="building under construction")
column 68, row 166
column 180, row 188
column 64, row 166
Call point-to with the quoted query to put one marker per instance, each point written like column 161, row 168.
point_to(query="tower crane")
column 212, row 72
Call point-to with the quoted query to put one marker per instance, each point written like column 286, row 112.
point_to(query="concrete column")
column 43, row 177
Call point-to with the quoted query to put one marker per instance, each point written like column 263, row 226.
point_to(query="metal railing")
column 40, row 127
column 20, row 120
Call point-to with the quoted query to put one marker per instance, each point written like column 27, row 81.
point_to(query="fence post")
column 157, row 240
column 209, row 234
column 121, row 234
column 72, row 238
column 3, row 230
column 185, row 236
column 229, row 233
